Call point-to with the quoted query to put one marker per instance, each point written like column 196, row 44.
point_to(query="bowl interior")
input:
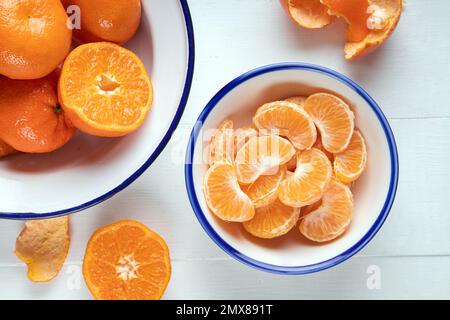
column 370, row 191
column 89, row 167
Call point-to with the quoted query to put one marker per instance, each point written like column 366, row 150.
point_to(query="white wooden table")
column 409, row 77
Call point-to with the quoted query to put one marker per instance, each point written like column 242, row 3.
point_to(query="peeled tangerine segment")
column 42, row 246
column 286, row 119
column 262, row 156
column 298, row 100
column 224, row 196
column 385, row 15
column 309, row 14
column 263, row 191
column 221, row 147
column 272, row 221
column 354, row 12
column 242, row 136
column 309, row 181
column 331, row 217
column 334, row 119
column 350, row 164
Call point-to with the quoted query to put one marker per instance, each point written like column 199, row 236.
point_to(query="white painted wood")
column 409, row 77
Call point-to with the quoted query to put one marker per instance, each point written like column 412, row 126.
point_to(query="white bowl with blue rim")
column 89, row 170
column 374, row 192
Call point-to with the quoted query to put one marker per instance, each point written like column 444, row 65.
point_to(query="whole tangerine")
column 34, row 38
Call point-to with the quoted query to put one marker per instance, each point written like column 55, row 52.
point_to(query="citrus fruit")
column 263, row 191
column 221, row 147
column 43, row 246
column 272, row 221
column 31, row 119
column 309, row 14
column 6, row 149
column 309, row 181
column 126, row 261
column 331, row 217
column 319, row 145
column 384, row 17
column 34, row 38
column 288, row 120
column 262, row 156
column 298, row 100
column 224, row 196
column 105, row 90
column 355, row 14
column 107, row 20
column 292, row 164
column 242, row 136
column 333, row 118
column 350, row 164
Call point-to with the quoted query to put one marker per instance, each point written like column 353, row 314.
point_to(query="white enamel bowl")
column 374, row 192
column 89, row 170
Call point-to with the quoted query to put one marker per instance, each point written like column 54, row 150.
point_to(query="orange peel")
column 310, row 14
column 6, row 149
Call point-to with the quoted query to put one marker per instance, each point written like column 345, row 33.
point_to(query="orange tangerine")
column 6, row 149
column 319, row 145
column 309, row 181
column 298, row 100
column 105, row 90
column 385, row 15
column 310, row 14
column 350, row 164
column 354, row 12
column 263, row 191
column 333, row 118
column 224, row 196
column 272, row 221
column 288, row 120
column 221, row 146
column 332, row 215
column 126, row 261
column 262, row 156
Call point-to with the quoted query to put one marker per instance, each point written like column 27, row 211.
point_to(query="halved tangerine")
column 262, row 156
column 272, row 221
column 333, row 118
column 105, row 90
column 332, row 215
column 310, row 14
column 288, row 120
column 263, row 191
column 126, row 261
column 221, row 147
column 224, row 196
column 350, row 164
column 385, row 15
column 354, row 12
column 309, row 181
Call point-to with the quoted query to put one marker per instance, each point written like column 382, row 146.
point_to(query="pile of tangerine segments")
column 295, row 165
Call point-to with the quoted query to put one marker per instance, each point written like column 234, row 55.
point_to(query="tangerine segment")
column 262, row 156
column 43, row 245
column 263, row 191
column 310, row 14
column 34, row 38
column 242, row 136
column 127, row 261
column 105, row 89
column 221, row 147
column 332, row 216
column 333, row 118
column 319, row 145
column 354, row 12
column 224, row 196
column 288, row 120
column 272, row 221
column 350, row 164
column 298, row 100
column 309, row 181
column 385, row 15
column 6, row 149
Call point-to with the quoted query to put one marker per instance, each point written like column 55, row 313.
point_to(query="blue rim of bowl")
column 154, row 155
column 292, row 270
